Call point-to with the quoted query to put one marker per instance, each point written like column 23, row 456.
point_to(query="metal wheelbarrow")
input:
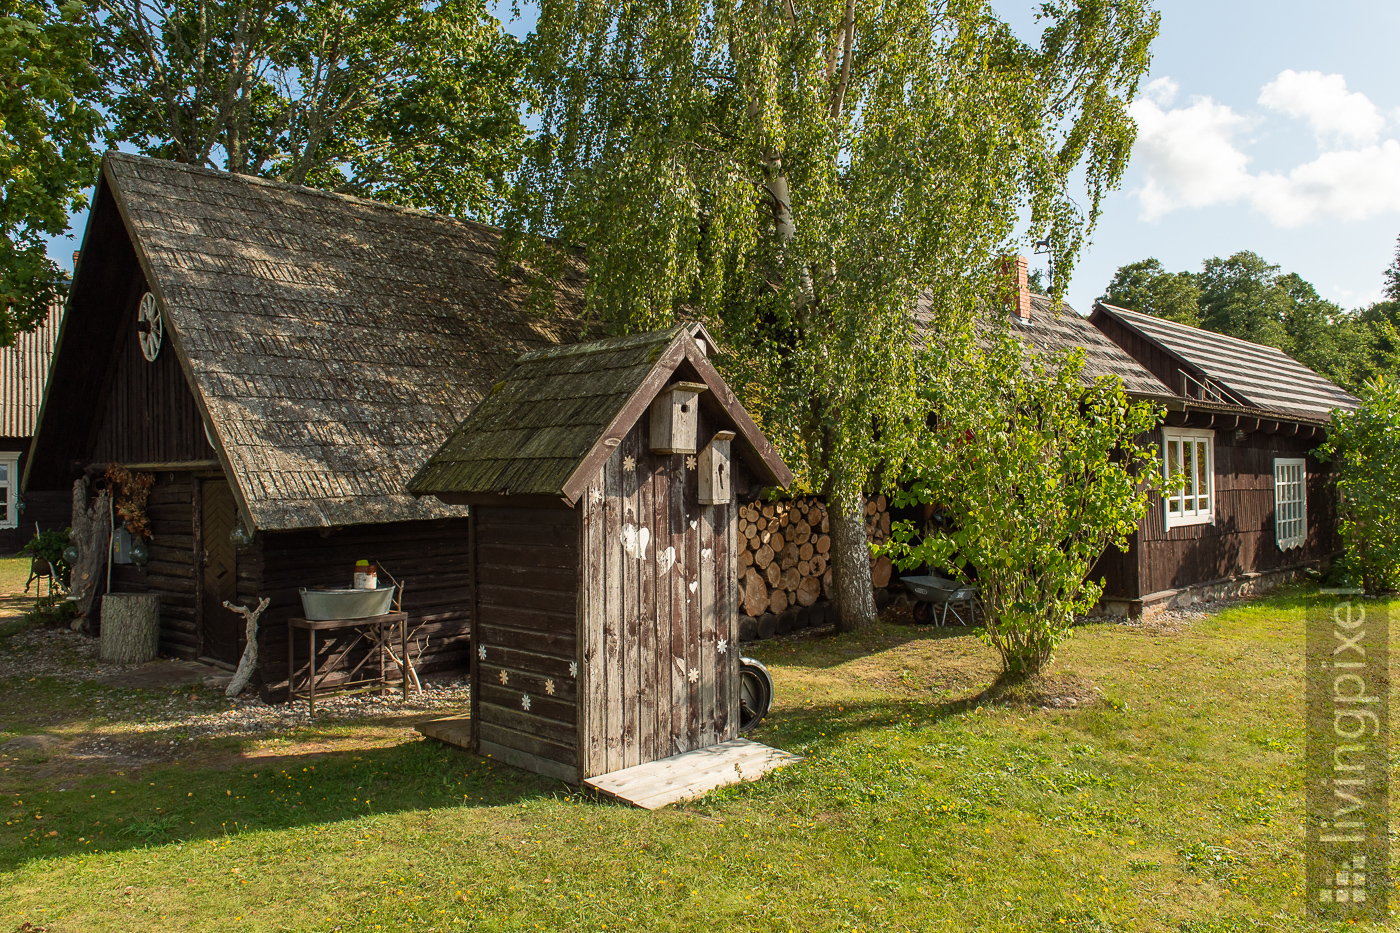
column 938, row 596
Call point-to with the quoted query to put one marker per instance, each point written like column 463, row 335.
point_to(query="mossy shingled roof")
column 535, row 427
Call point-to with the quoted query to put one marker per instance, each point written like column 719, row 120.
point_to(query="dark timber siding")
column 527, row 568
column 429, row 558
column 655, row 617
column 1242, row 538
column 150, row 414
column 172, row 566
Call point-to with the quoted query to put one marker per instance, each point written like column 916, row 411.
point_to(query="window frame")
column 10, row 459
column 1301, row 518
column 1179, row 441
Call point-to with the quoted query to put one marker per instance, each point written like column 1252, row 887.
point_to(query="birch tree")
column 801, row 174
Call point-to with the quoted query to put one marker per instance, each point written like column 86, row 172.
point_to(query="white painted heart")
column 693, row 524
column 629, row 540
column 706, row 554
column 693, row 584
column 665, row 559
column 643, row 536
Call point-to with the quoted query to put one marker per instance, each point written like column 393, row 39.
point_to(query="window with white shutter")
column 1290, row 502
column 9, row 490
column 1188, row 469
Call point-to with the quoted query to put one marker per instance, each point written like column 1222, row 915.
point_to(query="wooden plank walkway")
column 454, row 730
column 691, row 774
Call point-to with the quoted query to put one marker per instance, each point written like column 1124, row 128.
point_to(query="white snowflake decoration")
column 723, row 645
column 694, row 675
column 481, row 652
column 629, row 463
column 504, row 678
column 595, row 495
column 690, row 462
column 573, row 668
column 525, row 702
column 549, row 687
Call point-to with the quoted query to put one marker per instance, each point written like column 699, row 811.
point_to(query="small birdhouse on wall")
column 674, row 415
column 715, row 485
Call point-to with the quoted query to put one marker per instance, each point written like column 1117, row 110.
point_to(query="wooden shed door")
column 220, row 629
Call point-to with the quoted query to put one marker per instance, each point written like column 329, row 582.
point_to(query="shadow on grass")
column 158, row 805
column 832, row 649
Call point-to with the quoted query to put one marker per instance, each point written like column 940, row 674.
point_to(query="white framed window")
column 1290, row 502
column 1188, row 467
column 9, row 489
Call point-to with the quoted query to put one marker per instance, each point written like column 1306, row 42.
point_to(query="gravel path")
column 172, row 715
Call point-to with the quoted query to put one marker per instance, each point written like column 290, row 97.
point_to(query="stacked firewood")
column 785, row 553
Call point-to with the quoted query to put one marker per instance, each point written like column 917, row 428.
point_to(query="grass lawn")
column 1152, row 784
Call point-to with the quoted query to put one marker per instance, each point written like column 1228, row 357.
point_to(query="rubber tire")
column 923, row 612
column 755, row 693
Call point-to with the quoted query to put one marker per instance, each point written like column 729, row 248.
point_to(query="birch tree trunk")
column 852, row 596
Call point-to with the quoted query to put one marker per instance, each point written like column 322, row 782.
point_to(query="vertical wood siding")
column 527, row 579
column 1242, row 538
column 655, row 616
column 23, row 369
column 150, row 414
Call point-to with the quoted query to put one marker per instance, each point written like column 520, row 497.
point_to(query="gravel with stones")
column 174, row 715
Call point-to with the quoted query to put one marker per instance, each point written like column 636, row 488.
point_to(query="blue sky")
column 1269, row 125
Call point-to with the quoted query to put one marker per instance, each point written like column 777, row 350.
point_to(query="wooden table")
column 377, row 631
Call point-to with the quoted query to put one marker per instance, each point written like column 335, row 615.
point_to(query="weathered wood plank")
column 682, row 777
column 630, row 605
column 674, row 630
column 592, row 689
column 611, row 665
column 647, row 567
column 704, row 647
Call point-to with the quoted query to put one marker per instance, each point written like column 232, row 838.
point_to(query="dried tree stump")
column 130, row 627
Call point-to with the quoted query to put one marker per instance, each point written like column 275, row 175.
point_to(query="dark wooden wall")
column 652, row 618
column 49, row 509
column 430, row 558
column 150, row 414
column 527, row 581
column 1242, row 538
column 172, row 566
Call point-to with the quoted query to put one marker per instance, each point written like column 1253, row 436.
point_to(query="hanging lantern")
column 139, row 552
column 240, row 536
column 70, row 555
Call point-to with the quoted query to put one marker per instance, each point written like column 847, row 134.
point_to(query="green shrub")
column 49, row 546
column 54, row 609
column 1365, row 446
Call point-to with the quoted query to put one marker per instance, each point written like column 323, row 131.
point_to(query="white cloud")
column 1162, row 90
column 1189, row 158
column 1188, row 155
column 1337, row 116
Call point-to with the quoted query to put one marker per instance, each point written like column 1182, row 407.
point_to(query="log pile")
column 785, row 563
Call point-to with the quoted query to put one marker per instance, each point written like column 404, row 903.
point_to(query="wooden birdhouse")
column 674, row 416
column 604, row 555
column 715, row 486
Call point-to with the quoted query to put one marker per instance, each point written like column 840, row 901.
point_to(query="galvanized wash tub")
column 326, row 605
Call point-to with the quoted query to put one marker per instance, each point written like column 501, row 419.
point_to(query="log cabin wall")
column 659, row 609
column 430, row 558
column 1242, row 538
column 170, row 572
column 524, row 684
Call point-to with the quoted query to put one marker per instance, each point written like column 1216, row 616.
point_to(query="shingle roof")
column 1259, row 376
column 334, row 342
column 24, row 368
column 1052, row 330
column 540, row 426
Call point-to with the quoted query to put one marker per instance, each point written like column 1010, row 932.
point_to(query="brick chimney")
column 1016, row 295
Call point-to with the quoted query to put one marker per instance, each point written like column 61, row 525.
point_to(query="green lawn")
column 1167, row 798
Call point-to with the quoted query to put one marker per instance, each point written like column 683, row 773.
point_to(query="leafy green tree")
column 1148, row 288
column 801, row 176
column 1037, row 471
column 1365, row 445
column 48, row 132
column 409, row 101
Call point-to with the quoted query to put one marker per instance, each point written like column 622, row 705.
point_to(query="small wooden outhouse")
column 603, row 562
